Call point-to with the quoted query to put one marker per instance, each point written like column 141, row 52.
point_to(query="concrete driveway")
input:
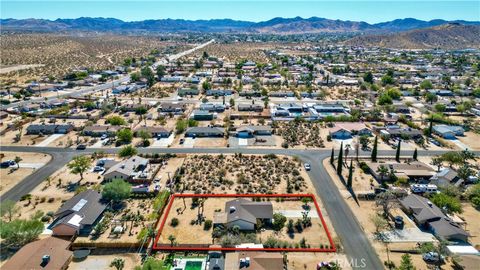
column 297, row 213
column 49, row 140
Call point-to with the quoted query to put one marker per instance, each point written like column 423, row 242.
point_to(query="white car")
column 307, row 166
column 104, row 136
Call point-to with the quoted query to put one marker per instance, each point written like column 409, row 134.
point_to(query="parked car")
column 182, row 141
column 7, row 163
column 432, row 257
column 307, row 166
column 81, row 147
column 98, row 169
column 104, row 136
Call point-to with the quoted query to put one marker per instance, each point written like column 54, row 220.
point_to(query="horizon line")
column 238, row 20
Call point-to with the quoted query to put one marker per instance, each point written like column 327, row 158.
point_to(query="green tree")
column 449, row 203
column 116, row 120
column 124, row 135
column 382, row 171
column 181, row 126
column 384, row 99
column 368, row 77
column 9, row 208
column 279, row 221
column 135, row 77
column 387, row 79
column 426, row 84
column 160, row 71
column 430, row 97
column 145, row 135
column 118, row 263
column 464, row 172
column 375, row 149
column 406, row 263
column 340, row 160
column 79, row 165
column 397, row 155
column 127, row 151
column 19, row 232
column 116, row 191
column 147, row 73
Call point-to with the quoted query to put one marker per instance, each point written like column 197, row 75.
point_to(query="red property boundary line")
column 193, row 248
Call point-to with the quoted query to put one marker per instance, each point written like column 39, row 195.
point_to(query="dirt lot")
column 102, row 261
column 301, row 134
column 186, row 233
column 243, row 174
column 11, row 176
column 60, row 53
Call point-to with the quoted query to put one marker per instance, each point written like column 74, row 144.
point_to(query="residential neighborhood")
column 178, row 144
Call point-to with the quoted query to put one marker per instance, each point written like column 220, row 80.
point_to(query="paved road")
column 354, row 241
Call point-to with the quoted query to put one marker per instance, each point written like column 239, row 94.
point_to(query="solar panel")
column 79, row 205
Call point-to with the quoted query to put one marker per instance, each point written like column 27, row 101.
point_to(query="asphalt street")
column 353, row 239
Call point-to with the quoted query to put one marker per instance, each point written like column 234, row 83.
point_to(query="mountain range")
column 446, row 36
column 295, row 25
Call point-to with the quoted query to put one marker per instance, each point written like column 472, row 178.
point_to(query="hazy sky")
column 356, row 10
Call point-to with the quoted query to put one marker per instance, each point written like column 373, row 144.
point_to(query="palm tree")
column 118, row 263
column 382, row 171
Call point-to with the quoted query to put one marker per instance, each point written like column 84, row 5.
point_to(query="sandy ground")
column 103, row 261
column 470, row 139
column 471, row 216
column 195, row 234
column 9, row 178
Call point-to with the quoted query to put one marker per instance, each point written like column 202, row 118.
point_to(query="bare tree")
column 387, row 200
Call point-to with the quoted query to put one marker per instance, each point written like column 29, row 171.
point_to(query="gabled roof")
column 128, row 167
column 83, row 209
column 30, row 256
column 248, row 211
column 447, row 229
column 423, row 210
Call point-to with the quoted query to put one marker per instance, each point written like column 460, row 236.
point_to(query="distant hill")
column 295, row 25
column 446, row 36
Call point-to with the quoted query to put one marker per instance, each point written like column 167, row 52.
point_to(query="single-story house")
column 211, row 107
column 251, row 131
column 392, row 132
column 254, row 260
column 78, row 215
column 158, row 132
column 172, row 107
column 50, row 253
column 413, row 170
column 130, row 169
column 188, row 92
column 200, row 115
column 250, row 108
column 204, row 132
column 244, row 214
column 49, row 129
column 445, row 177
column 99, row 130
column 448, row 132
column 347, row 130
column 429, row 216
column 219, row 92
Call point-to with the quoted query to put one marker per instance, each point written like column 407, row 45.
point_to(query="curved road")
column 353, row 239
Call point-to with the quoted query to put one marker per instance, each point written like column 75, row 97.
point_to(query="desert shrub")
column 174, row 222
